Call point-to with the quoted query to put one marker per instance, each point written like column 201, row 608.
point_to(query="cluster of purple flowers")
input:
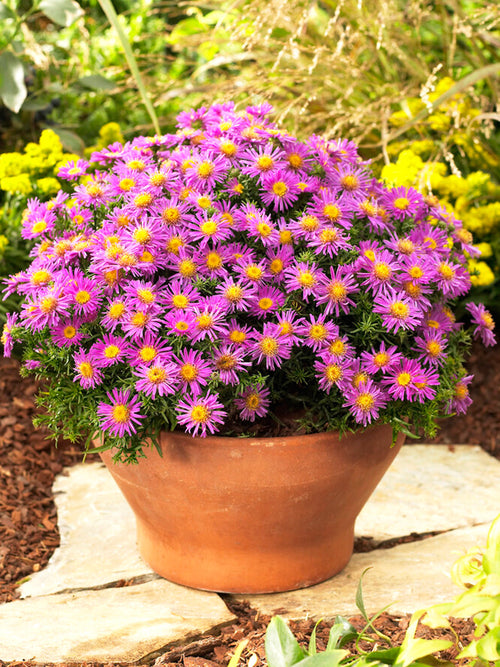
column 193, row 260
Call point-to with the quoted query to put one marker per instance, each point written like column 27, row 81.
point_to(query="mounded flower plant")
column 230, row 278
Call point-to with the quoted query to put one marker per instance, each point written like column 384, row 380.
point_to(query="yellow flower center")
column 69, row 332
column 120, row 413
column 226, row 362
column 295, row 161
column 252, row 401
column 365, row 402
column 147, row 353
column 111, row 351
column 187, row 268
column 205, row 169
column 488, row 321
column 146, row 295
column 181, row 325
column 40, row 277
column 228, row 148
column 141, row 235
column 264, row 229
column 461, row 390
column 328, row 235
column 86, row 369
column 369, row 254
column 280, row 189
column 332, row 212
column 237, row 336
column 401, row 203
column 48, row 304
column 382, row 270
column 180, row 301
column 139, row 319
column 337, row 347
column 82, row 296
column 333, row 372
column 204, row 202
column 368, row 208
column 188, row 372
column 318, row 332
column 406, row 246
column 253, row 272
column 171, row 215
column 265, row 163
column 416, row 272
column 381, row 359
column 137, row 165
column 209, row 228
column 403, row 379
column 157, row 179
column 337, row 291
column 94, row 190
column 213, row 261
column 126, row 184
column 430, row 241
column 349, row 182
column 269, row 346
column 174, row 244
column 309, row 223
column 286, row 237
column 116, row 311
column 433, row 348
column 156, row 375
column 306, row 279
column 200, row 414
column 39, row 227
column 446, row 271
column 265, row 303
column 399, row 310
column 204, row 321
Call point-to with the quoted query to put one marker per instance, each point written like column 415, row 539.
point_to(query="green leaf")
column 312, row 640
column 491, row 557
column 6, row 12
column 96, row 82
column 324, row 659
column 282, row 649
column 488, row 647
column 420, row 648
column 62, row 12
column 359, row 596
column 340, row 633
column 237, row 654
column 69, row 140
column 109, row 10
column 12, row 89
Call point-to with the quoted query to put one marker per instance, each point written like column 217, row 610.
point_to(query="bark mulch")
column 29, row 463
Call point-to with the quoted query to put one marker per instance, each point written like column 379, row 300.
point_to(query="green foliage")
column 479, row 570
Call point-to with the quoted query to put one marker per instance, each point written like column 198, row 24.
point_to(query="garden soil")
column 29, row 535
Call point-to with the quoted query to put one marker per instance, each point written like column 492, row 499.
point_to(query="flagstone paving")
column 429, row 489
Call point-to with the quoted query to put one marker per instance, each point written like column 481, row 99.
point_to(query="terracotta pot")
column 252, row 515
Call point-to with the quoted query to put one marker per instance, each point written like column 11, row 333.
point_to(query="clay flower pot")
column 252, row 515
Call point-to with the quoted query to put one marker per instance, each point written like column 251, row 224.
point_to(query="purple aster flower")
column 199, row 414
column 430, row 239
column 121, row 415
column 267, row 301
column 257, row 162
column 401, row 379
column 138, row 321
column 279, row 259
column 381, row 359
column 85, row 294
column 339, row 347
column 270, row 346
column 72, row 170
column 251, row 270
column 149, row 349
column 380, row 272
column 38, row 220
column 210, row 319
column 213, row 262
column 304, row 277
column 228, row 361
column 402, row 203
column 238, row 334
column 484, row 323
column 452, row 279
column 397, row 311
column 425, row 387
column 46, row 307
column 306, row 226
column 432, row 346
column 237, row 294
column 205, row 228
column 180, row 295
column 110, row 350
column 288, row 324
column 349, row 179
column 317, row 332
column 332, row 373
column 254, row 402
column 280, row 189
column 181, row 323
column 329, row 240
column 334, row 211
column 6, row 339
column 333, row 292
column 365, row 401
column 88, row 369
column 461, row 398
column 158, row 378
column 68, row 332
column 261, row 228
column 115, row 313
column 193, row 370
column 205, row 171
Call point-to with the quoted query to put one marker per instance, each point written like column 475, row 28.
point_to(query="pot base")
column 253, row 515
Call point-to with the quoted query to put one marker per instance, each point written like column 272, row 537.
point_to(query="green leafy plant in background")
column 478, row 571
column 18, row 45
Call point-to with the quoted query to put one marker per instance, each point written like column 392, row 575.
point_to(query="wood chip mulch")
column 29, row 463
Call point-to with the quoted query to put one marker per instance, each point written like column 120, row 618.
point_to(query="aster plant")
column 230, row 278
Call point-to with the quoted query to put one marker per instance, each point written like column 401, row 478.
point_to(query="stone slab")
column 405, row 578
column 428, row 488
column 98, row 539
column 431, row 488
column 109, row 625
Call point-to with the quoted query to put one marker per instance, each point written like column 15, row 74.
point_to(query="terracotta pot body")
column 252, row 515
